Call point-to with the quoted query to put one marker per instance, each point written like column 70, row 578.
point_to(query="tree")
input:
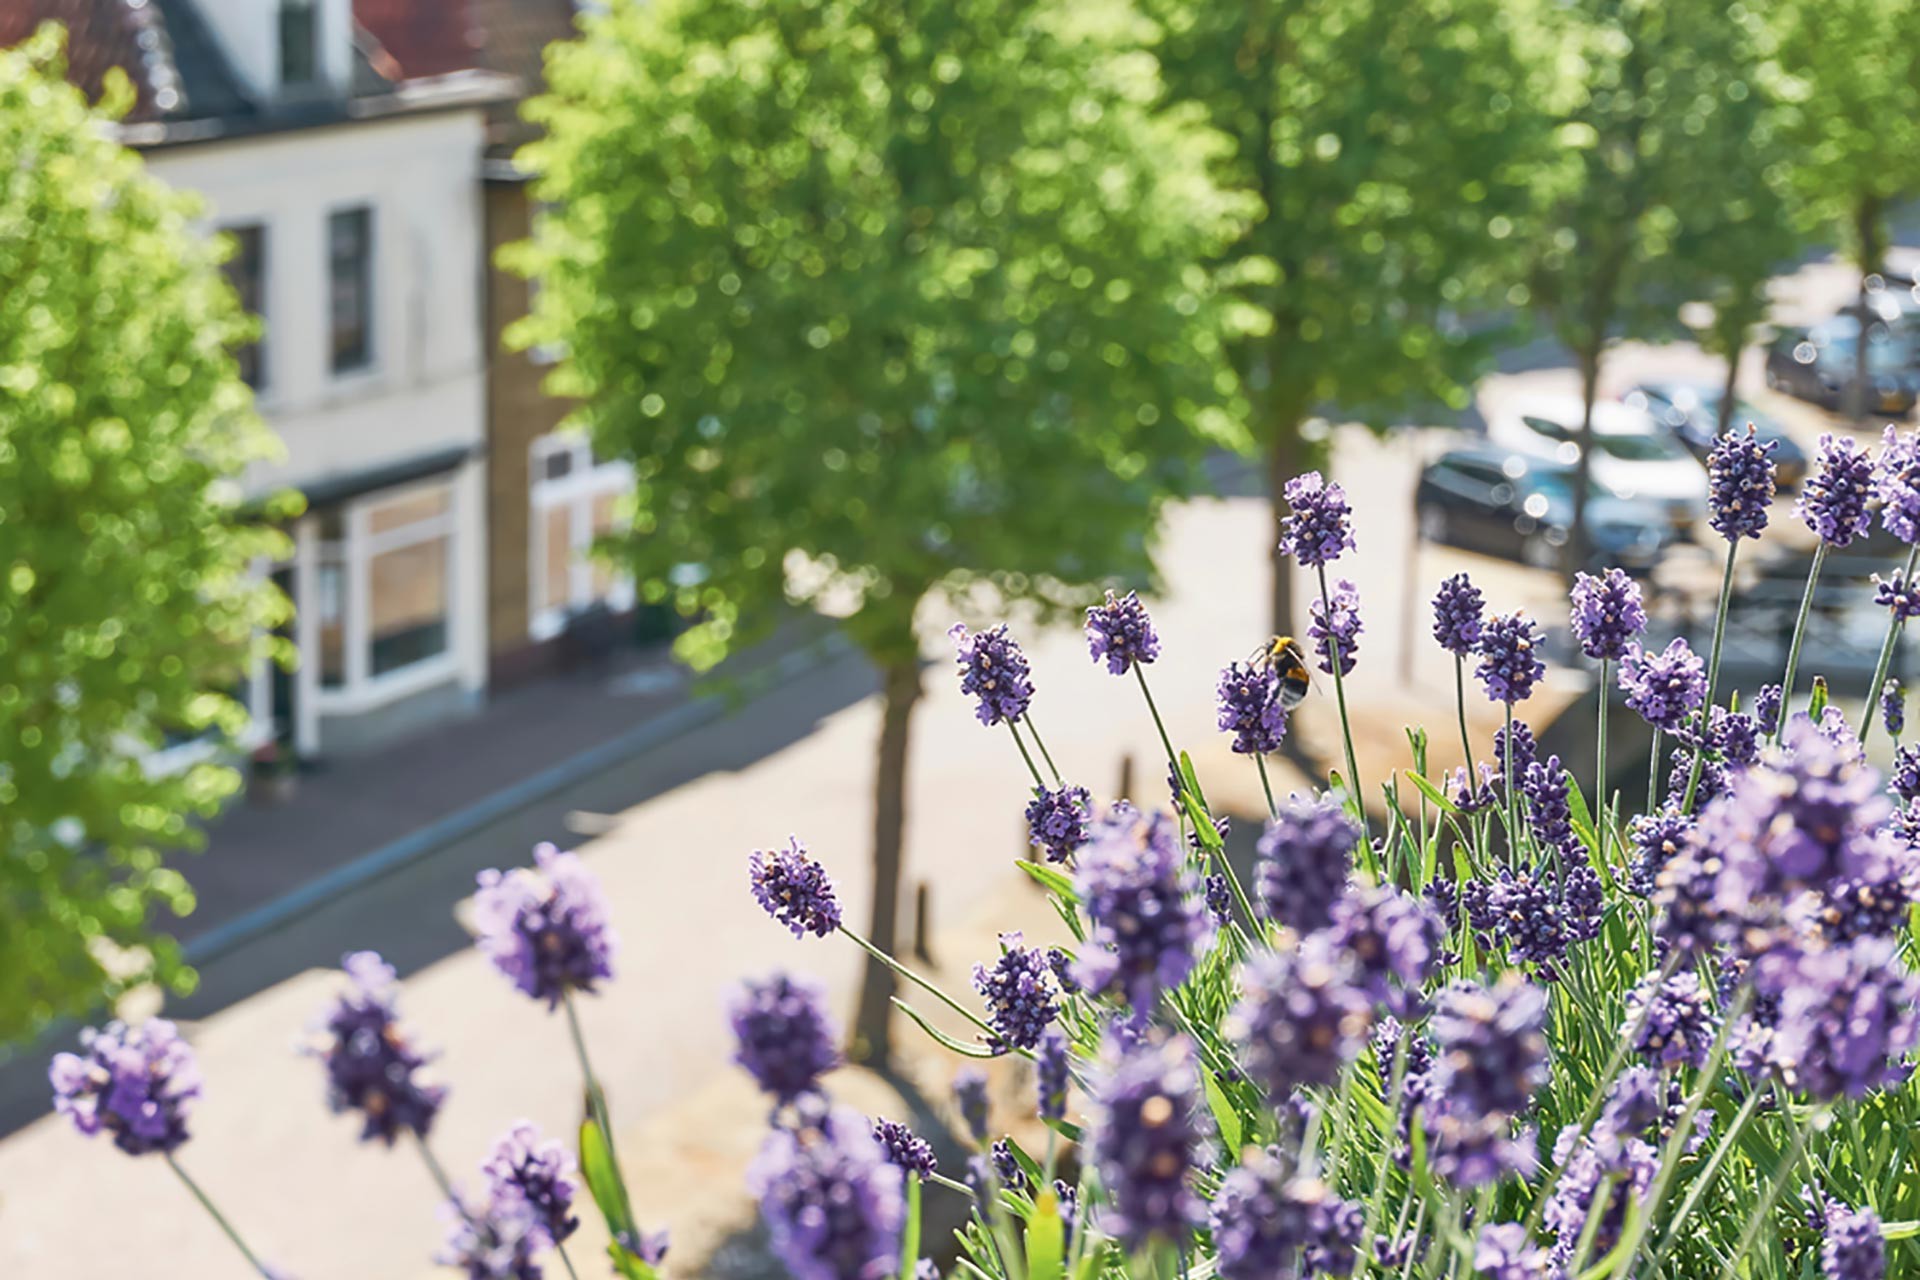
column 1649, row 154
column 127, row 601
column 1851, row 70
column 884, row 301
column 1390, row 144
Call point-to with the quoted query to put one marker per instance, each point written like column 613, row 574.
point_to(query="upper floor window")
column 350, row 279
column 299, row 42
column 247, row 273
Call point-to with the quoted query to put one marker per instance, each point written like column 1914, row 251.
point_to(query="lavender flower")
column 1904, row 778
column 1019, row 994
column 1121, row 632
column 545, row 927
column 1272, row 1220
column 1058, row 820
column 794, row 889
column 1897, row 595
column 1665, row 688
column 1544, row 786
column 1146, row 1133
column 1525, row 752
column 783, row 1035
column 1583, row 899
column 498, row 1239
column 1848, row 1017
column 1734, row 735
column 1395, row 941
column 1893, row 708
column 1671, row 1021
column 905, row 1148
column 1415, row 1065
column 832, row 1201
column 994, row 671
column 1006, row 1166
column 1219, row 899
column 1305, row 853
column 1525, row 909
column 1457, row 612
column 1319, row 525
column 1301, row 1016
column 1472, row 793
column 1250, row 708
column 1607, row 614
column 1510, row 662
column 1593, row 1167
column 970, row 1094
column 1798, row 821
column 371, row 1066
column 1852, row 1247
column 1740, row 484
column 1335, row 624
column 1491, row 1056
column 538, row 1176
column 1506, row 1252
column 1766, row 708
column 1051, row 1074
column 135, row 1083
column 1149, row 922
column 1899, row 485
column 1834, row 501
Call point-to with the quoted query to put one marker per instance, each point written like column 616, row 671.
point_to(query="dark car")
column 1818, row 364
column 1520, row 507
column 1691, row 410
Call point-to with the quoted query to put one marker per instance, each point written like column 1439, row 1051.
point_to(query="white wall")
column 425, row 387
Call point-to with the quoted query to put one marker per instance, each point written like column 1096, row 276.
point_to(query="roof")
column 509, row 37
column 187, row 91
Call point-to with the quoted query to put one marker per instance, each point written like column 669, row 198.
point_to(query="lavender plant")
column 1538, row 1039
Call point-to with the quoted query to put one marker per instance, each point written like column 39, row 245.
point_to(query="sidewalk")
column 360, row 815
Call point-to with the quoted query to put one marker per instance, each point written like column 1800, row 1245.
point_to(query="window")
column 575, row 500
column 299, row 42
column 247, row 273
column 410, row 542
column 350, row 276
column 330, row 605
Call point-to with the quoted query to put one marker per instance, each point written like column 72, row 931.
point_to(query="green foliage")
column 1391, row 145
column 880, row 299
column 126, row 601
column 1850, row 71
column 1653, row 146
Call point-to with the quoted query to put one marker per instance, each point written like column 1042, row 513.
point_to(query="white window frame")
column 363, row 689
column 584, row 482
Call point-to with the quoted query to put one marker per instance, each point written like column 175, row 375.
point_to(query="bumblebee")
column 1282, row 654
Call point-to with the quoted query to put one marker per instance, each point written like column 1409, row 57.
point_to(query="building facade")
column 353, row 194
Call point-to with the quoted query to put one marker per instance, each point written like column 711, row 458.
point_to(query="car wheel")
column 1540, row 553
column 1433, row 525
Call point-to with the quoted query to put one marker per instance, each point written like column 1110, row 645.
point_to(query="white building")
column 355, row 198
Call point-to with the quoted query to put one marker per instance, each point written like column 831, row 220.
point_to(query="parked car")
column 1818, row 364
column 1633, row 458
column 1521, row 508
column 1691, row 410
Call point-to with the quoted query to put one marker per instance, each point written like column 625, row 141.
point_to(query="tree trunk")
column 1576, row 557
column 1866, row 229
column 1286, row 458
column 872, row 1026
column 1727, row 391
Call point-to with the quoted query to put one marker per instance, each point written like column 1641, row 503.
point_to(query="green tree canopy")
column 1391, row 145
column 126, row 597
column 883, row 300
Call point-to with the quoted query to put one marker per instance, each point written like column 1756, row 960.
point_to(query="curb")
column 383, row 861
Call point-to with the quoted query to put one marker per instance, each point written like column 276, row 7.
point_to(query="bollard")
column 921, row 929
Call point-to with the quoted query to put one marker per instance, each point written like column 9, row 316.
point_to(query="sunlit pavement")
column 322, row 1206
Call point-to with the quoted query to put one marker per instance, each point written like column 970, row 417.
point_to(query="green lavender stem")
column 1713, row 677
column 924, row 984
column 1046, row 755
column 1173, row 757
column 1260, row 762
column 1460, row 707
column 1894, row 625
column 1506, row 762
column 1799, row 633
column 220, row 1219
column 1340, row 695
column 1038, row 781
column 1603, row 821
column 1653, row 775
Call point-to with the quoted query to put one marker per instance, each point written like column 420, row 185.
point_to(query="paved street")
column 797, row 760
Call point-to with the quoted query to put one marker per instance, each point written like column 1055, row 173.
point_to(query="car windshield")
column 1557, row 486
column 1884, row 354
